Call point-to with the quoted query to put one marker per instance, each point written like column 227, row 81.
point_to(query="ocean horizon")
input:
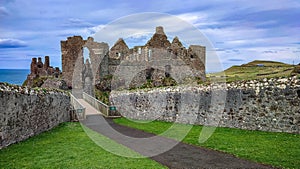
column 14, row 76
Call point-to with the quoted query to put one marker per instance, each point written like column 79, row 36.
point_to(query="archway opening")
column 86, row 54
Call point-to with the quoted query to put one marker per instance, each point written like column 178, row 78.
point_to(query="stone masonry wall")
column 267, row 104
column 25, row 112
column 72, row 58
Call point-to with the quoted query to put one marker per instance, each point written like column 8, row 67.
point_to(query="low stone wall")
column 267, row 104
column 25, row 112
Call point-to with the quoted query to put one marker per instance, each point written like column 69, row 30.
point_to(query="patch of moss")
column 148, row 84
column 103, row 96
column 39, row 81
column 108, row 77
column 25, row 83
column 169, row 81
column 296, row 70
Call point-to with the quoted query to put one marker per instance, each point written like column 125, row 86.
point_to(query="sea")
column 14, row 76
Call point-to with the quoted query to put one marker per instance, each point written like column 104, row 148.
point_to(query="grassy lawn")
column 67, row 146
column 276, row 149
column 251, row 71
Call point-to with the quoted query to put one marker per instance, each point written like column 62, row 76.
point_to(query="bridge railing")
column 103, row 108
column 78, row 108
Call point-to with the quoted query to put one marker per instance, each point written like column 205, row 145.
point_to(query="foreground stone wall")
column 267, row 104
column 26, row 112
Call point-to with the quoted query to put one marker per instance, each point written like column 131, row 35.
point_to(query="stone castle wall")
column 73, row 60
column 267, row 105
column 171, row 59
column 135, row 73
column 25, row 112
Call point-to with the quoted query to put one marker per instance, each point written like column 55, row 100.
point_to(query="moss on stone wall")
column 103, row 96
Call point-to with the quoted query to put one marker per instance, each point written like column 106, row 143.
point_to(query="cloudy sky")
column 239, row 30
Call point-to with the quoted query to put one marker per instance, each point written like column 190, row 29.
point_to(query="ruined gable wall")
column 98, row 58
column 72, row 58
column 71, row 50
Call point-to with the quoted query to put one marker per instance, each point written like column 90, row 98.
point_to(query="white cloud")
column 76, row 22
column 92, row 30
column 192, row 17
column 3, row 11
column 12, row 43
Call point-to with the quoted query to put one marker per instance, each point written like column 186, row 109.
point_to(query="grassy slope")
column 277, row 149
column 67, row 146
column 251, row 71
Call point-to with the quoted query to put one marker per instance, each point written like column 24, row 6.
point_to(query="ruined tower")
column 33, row 66
column 40, row 63
column 47, row 62
column 73, row 60
column 40, row 69
column 71, row 49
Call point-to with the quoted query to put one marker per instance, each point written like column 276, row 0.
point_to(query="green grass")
column 276, row 149
column 68, row 146
column 251, row 71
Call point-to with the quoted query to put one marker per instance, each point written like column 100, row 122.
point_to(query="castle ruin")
column 157, row 59
column 122, row 67
column 38, row 69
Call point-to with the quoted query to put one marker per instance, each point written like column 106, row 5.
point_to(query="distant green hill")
column 257, row 69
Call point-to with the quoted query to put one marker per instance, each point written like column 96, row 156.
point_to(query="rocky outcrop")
column 55, row 83
column 25, row 112
column 267, row 104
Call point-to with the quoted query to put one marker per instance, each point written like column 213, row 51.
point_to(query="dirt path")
column 180, row 156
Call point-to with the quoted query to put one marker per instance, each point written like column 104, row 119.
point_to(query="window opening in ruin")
column 140, row 51
column 192, row 56
column 149, row 54
column 149, row 73
column 86, row 54
column 167, row 70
